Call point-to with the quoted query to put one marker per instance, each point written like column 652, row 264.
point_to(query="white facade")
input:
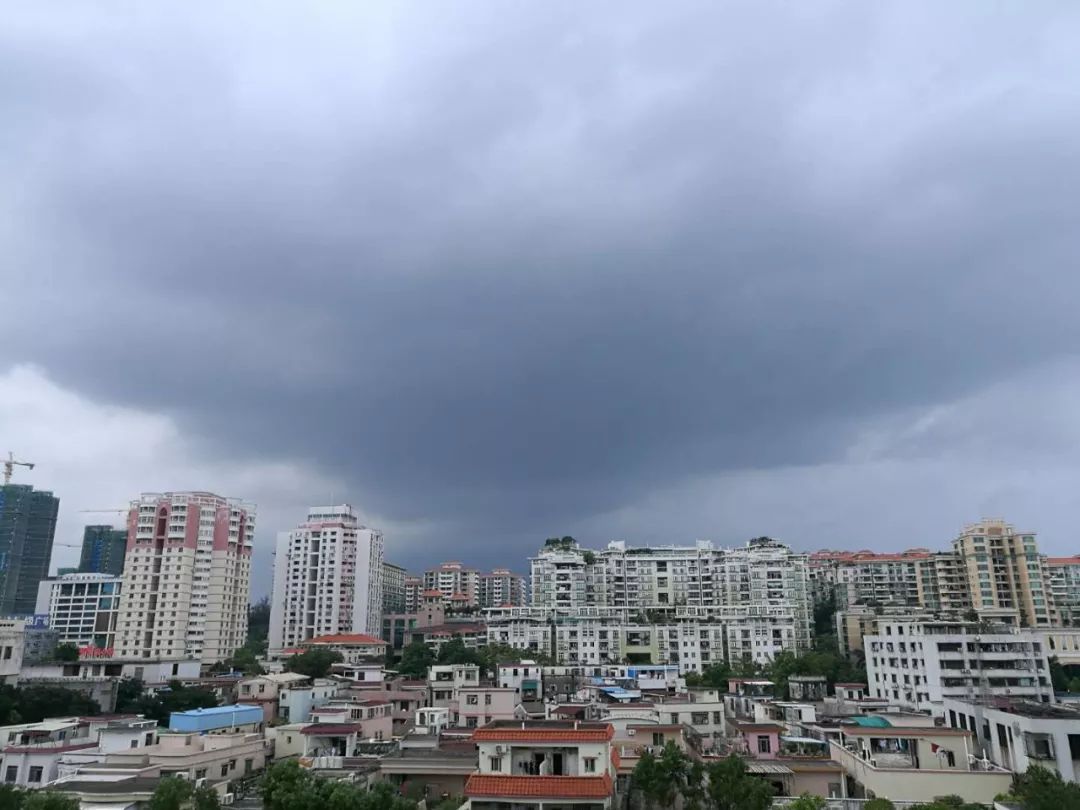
column 922, row 663
column 692, row 639
column 12, row 643
column 187, row 577
column 1022, row 734
column 501, row 587
column 328, row 579
column 452, row 579
column 82, row 608
column 762, row 578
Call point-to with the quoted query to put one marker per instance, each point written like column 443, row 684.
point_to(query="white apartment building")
column 764, row 576
column 12, row 646
column 692, row 638
column 187, row 577
column 921, row 663
column 1063, row 574
column 82, row 608
column 328, row 579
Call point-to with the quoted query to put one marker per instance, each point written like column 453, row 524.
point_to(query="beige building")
column 942, row 582
column 213, row 757
column 916, row 764
column 187, row 577
column 1004, row 570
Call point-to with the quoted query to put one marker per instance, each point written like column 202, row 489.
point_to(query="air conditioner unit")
column 228, row 798
column 498, row 750
column 200, row 782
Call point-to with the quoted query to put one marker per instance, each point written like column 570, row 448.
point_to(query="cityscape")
column 829, row 676
column 486, row 405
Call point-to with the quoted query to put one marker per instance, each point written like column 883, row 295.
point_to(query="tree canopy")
column 158, row 706
column 13, row 798
column 1042, row 789
column 289, row 787
column 314, row 662
column 179, row 794
column 32, row 704
column 721, row 785
column 415, row 660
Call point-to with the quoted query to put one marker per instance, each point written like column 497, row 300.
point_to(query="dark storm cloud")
column 507, row 268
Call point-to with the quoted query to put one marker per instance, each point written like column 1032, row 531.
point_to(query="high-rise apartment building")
column 83, row 609
column 764, row 583
column 414, row 593
column 1063, row 574
column 1005, row 571
column 328, row 578
column 393, row 588
column 103, row 550
column 27, row 528
column 458, row 584
column 187, row 577
column 943, row 583
column 867, row 577
column 501, row 587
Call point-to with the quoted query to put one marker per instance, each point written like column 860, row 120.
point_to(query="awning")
column 813, row 740
column 769, row 768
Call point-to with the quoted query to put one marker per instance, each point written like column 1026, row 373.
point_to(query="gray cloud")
column 506, row 271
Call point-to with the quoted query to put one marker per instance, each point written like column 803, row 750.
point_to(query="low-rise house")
column 354, row 647
column 915, row 764
column 544, row 763
column 437, row 769
column 12, row 645
column 264, row 691
column 445, row 679
column 238, row 718
column 701, row 709
column 296, row 702
column 479, row 705
column 197, row 755
column 31, row 752
column 1018, row 734
column 807, row 687
column 526, row 678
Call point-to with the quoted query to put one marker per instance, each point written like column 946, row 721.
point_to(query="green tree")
column 879, row 804
column 49, row 800
column 416, row 658
column 808, row 801
column 258, row 625
column 1059, row 678
column 128, row 691
column 287, row 786
column 315, row 662
column 454, row 651
column 732, row 787
column 11, row 797
column 1041, row 789
column 175, row 698
column 32, row 704
column 68, row 653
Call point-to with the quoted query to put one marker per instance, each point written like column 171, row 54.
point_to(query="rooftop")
column 540, row 731
column 347, row 638
column 552, row 787
column 217, row 710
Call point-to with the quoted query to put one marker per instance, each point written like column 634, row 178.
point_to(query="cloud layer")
column 504, row 271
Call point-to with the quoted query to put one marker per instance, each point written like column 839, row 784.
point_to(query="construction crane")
column 9, row 466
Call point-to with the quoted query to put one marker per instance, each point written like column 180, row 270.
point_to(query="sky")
column 494, row 272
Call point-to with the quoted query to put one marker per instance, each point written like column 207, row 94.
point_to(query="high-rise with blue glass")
column 103, row 549
column 27, row 528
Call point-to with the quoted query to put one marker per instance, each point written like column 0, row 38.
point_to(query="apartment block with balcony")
column 1005, row 570
column 83, row 609
column 537, row 764
column 328, row 579
column 187, row 577
column 1063, row 574
column 920, row 663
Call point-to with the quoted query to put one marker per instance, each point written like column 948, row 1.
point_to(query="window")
column 12, row 773
column 764, row 746
column 590, row 764
column 496, row 763
column 249, row 765
column 35, row 773
column 472, row 700
column 225, row 769
column 717, row 718
column 487, row 700
column 200, row 773
column 134, row 744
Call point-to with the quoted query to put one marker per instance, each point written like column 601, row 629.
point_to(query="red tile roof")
column 324, row 729
column 542, row 735
column 1064, row 560
column 347, row 638
column 544, row 787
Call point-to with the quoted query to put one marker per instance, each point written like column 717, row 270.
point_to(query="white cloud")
column 99, row 456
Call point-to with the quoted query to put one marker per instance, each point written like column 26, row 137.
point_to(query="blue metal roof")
column 214, row 718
